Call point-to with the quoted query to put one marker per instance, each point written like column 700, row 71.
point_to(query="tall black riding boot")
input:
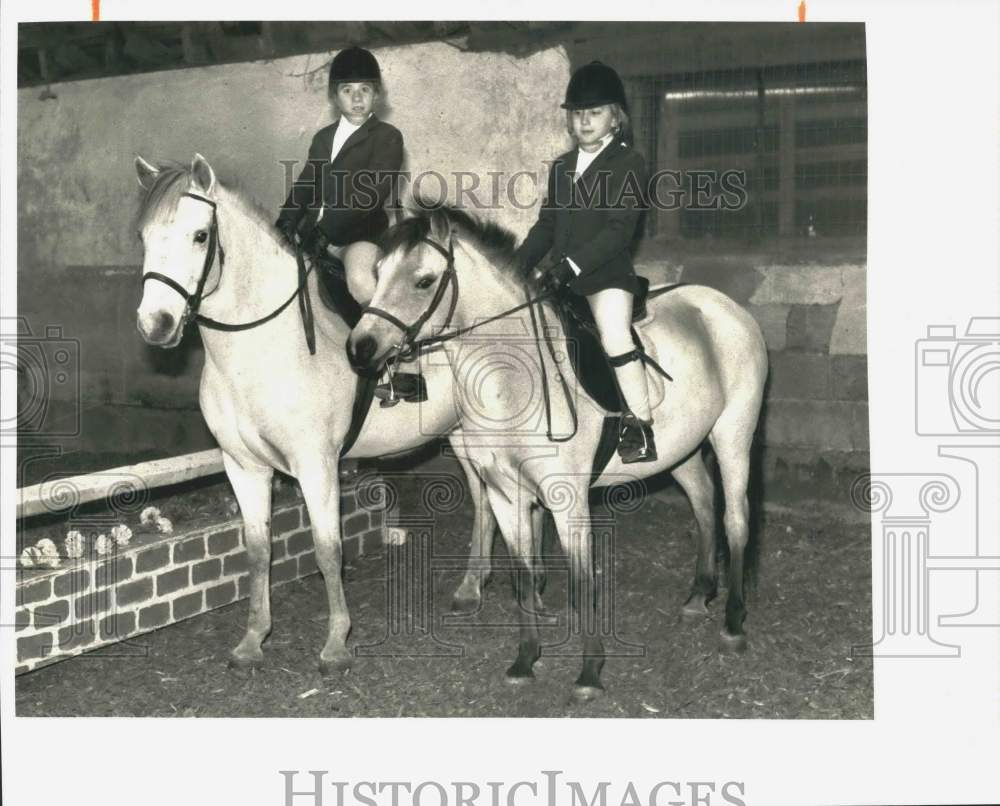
column 635, row 436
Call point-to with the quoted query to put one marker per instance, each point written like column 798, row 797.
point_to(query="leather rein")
column 409, row 347
column 194, row 299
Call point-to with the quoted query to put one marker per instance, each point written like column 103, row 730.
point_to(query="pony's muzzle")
column 361, row 353
column 158, row 328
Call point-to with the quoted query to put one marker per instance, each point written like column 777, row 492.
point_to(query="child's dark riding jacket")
column 593, row 221
column 353, row 188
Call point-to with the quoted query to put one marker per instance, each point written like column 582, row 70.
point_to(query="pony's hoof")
column 519, row 680
column 692, row 612
column 335, row 666
column 585, row 694
column 463, row 605
column 732, row 644
column 245, row 664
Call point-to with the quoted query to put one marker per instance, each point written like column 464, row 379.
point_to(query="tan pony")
column 445, row 270
column 211, row 256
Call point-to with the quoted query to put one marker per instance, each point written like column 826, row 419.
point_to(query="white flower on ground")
column 30, row 556
column 149, row 516
column 164, row 525
column 103, row 544
column 48, row 553
column 122, row 534
column 73, row 544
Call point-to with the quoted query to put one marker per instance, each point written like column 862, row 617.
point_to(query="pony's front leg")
column 468, row 596
column 515, row 519
column 252, row 486
column 575, row 535
column 321, row 490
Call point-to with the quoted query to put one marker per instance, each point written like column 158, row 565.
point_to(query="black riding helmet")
column 594, row 84
column 354, row 64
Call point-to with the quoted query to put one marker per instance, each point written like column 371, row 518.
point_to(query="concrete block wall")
column 814, row 430
column 97, row 601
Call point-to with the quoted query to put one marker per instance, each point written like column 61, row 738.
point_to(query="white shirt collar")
column 584, row 158
column 346, row 125
column 605, row 141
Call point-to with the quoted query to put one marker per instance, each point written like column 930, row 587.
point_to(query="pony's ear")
column 440, row 225
column 204, row 176
column 145, row 172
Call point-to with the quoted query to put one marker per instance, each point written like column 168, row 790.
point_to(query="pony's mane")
column 498, row 242
column 172, row 182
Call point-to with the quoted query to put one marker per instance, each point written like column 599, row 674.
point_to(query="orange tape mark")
column 802, row 10
column 95, row 10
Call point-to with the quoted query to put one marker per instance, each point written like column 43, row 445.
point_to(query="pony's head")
column 417, row 285
column 178, row 229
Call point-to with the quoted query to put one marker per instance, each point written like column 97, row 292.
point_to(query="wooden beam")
column 56, row 495
column 668, row 222
column 786, row 167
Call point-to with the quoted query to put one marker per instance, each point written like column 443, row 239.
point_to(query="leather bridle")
column 194, row 299
column 408, row 347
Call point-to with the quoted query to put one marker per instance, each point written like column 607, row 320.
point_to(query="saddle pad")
column 587, row 357
column 606, row 446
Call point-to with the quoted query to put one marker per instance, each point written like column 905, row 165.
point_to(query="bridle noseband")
column 408, row 347
column 193, row 300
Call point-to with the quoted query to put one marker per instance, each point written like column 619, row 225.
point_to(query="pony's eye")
column 426, row 283
column 201, row 236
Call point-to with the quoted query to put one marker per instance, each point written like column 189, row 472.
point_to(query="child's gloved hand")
column 556, row 276
column 287, row 229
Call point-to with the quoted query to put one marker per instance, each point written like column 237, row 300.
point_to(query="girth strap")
column 637, row 354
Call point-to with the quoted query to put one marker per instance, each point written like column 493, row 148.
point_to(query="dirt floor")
column 809, row 603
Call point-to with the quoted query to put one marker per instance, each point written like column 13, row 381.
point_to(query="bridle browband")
column 193, row 300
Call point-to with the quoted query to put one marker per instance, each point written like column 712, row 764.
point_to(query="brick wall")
column 154, row 582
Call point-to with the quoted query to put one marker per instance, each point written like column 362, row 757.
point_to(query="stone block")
column 799, row 376
column 152, row 559
column 849, row 377
column 188, row 605
column 810, row 327
column 826, row 425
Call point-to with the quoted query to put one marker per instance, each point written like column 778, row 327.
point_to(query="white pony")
column 212, row 257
